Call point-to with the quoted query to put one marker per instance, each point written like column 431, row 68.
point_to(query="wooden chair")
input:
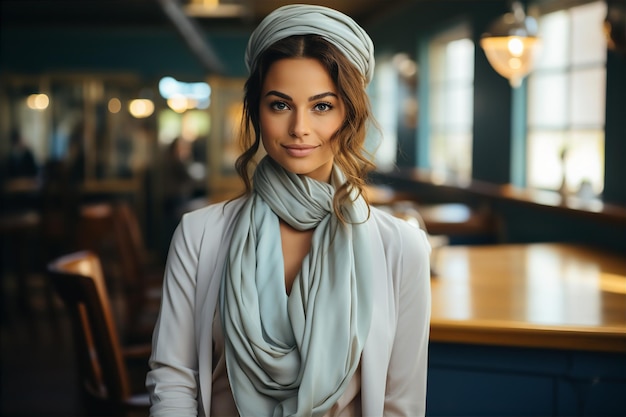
column 94, row 226
column 113, row 232
column 102, row 362
column 143, row 273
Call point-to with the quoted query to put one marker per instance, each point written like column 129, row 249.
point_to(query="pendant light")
column 511, row 44
column 615, row 26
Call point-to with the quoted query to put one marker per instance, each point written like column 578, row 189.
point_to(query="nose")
column 300, row 124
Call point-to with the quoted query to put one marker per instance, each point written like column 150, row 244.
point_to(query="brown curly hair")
column 348, row 142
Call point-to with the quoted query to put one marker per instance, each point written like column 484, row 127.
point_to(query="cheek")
column 264, row 125
column 269, row 126
column 333, row 145
column 332, row 133
column 335, row 125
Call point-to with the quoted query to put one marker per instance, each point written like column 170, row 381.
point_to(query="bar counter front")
column 527, row 330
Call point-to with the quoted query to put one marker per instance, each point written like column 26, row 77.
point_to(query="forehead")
column 304, row 75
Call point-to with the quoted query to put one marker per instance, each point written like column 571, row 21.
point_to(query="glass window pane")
column 569, row 98
column 459, row 107
column 32, row 126
column 458, row 146
column 588, row 97
column 437, row 151
column 451, row 65
column 544, row 168
column 437, row 107
column 554, row 31
column 67, row 116
column 548, row 100
column 588, row 41
column 460, row 60
column 386, row 115
column 437, row 61
column 584, row 162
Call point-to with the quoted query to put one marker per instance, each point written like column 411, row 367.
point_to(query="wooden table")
column 530, row 295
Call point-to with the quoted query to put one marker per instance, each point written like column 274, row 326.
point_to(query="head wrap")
column 304, row 19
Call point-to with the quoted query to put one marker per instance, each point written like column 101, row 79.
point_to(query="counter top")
column 547, row 295
column 547, row 200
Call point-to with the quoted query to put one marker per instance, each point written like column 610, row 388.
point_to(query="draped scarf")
column 294, row 355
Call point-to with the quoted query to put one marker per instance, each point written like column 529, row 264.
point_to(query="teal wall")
column 475, row 380
column 615, row 130
column 149, row 53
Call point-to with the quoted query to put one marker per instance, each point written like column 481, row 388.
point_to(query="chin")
column 297, row 168
column 316, row 169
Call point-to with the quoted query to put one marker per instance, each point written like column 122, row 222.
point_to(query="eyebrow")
column 312, row 98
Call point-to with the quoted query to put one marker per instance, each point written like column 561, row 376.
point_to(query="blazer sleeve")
column 173, row 375
column 406, row 378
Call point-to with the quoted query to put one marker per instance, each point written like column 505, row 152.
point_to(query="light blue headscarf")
column 304, row 19
column 294, row 355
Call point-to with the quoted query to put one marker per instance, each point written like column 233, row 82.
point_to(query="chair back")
column 79, row 281
column 132, row 255
column 130, row 244
column 112, row 231
column 94, row 227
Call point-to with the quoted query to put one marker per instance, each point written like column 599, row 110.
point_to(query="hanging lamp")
column 511, row 44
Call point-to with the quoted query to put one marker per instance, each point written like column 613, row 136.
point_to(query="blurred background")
column 118, row 116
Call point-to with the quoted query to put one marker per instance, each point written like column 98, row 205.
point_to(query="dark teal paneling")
column 492, row 115
column 480, row 380
column 591, row 397
column 615, row 139
column 147, row 53
column 457, row 392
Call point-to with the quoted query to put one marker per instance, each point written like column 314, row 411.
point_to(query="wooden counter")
column 530, row 295
column 423, row 182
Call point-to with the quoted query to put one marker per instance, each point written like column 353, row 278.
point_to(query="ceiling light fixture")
column 214, row 9
column 511, row 44
column 615, row 25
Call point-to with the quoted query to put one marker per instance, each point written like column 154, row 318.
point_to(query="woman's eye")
column 323, row 107
column 278, row 105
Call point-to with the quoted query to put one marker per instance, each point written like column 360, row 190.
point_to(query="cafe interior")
column 501, row 132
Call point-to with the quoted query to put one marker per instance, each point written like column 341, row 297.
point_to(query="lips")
column 299, row 151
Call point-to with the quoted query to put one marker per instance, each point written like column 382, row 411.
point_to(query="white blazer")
column 394, row 359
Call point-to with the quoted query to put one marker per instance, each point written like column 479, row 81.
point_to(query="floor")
column 37, row 373
column 37, row 369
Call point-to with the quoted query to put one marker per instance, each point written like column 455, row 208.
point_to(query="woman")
column 296, row 298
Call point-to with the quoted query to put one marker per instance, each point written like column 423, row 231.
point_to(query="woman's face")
column 300, row 111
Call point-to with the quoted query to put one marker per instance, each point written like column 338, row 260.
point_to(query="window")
column 451, row 89
column 384, row 95
column 566, row 101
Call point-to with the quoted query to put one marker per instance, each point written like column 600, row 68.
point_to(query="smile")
column 299, row 151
